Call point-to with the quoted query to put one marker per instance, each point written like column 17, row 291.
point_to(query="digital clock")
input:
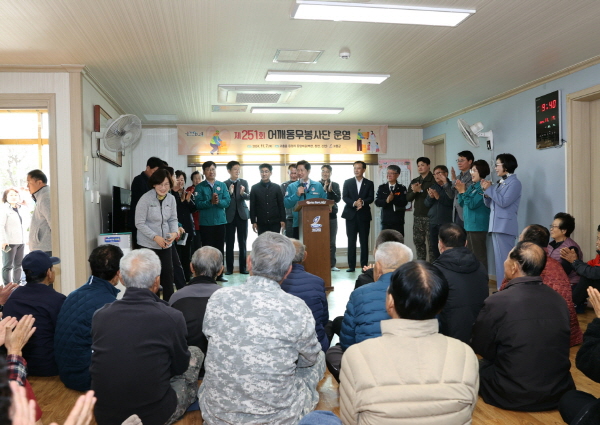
column 547, row 120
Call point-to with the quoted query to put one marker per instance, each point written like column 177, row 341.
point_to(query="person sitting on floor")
column 578, row 407
column 522, row 333
column 310, row 289
column 553, row 275
column 264, row 360
column 38, row 298
column 141, row 363
column 387, row 235
column 366, row 307
column 411, row 374
column 73, row 337
column 467, row 282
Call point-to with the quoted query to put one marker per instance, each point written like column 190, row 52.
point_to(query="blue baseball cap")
column 38, row 262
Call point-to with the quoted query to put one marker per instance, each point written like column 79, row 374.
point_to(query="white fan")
column 120, row 133
column 472, row 133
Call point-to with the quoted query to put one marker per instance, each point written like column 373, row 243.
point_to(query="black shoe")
column 245, row 272
column 221, row 279
column 228, row 273
column 350, row 271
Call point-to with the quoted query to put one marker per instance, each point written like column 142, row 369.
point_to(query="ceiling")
column 168, row 56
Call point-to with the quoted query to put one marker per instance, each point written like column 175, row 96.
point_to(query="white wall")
column 160, row 142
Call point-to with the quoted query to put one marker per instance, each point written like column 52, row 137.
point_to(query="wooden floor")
column 56, row 401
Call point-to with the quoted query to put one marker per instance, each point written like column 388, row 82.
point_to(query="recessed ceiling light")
column 326, row 77
column 297, row 56
column 265, row 110
column 383, row 13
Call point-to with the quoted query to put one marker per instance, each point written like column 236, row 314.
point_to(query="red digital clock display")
column 549, row 105
column 547, row 114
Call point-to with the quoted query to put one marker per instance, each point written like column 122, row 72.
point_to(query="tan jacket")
column 410, row 375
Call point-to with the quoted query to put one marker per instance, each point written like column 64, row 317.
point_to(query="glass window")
column 19, row 125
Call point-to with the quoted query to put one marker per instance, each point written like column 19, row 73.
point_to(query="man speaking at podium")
column 303, row 189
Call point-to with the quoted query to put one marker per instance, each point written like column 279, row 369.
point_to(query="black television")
column 121, row 204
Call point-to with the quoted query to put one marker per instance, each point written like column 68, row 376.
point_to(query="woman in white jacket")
column 11, row 236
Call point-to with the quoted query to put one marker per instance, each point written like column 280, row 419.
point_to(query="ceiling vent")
column 297, row 56
column 257, row 93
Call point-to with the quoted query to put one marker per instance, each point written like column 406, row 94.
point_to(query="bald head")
column 300, row 251
column 391, row 255
column 528, row 259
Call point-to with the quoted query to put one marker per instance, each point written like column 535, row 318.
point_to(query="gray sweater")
column 153, row 219
column 40, row 236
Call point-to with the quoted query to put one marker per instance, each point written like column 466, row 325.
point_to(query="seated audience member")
column 553, row 275
column 411, row 374
column 522, row 333
column 264, row 360
column 206, row 265
column 141, row 363
column 73, row 337
column 366, row 307
column 578, row 407
column 467, row 282
column 560, row 231
column 310, row 289
column 589, row 273
column 38, row 298
column 387, row 235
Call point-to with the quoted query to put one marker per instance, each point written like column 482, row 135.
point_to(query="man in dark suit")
column 358, row 195
column 391, row 198
column 237, row 217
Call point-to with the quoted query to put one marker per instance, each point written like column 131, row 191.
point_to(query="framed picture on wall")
column 101, row 118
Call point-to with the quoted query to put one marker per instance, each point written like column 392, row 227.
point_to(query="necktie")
column 392, row 191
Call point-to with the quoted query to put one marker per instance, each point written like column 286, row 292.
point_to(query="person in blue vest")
column 303, row 189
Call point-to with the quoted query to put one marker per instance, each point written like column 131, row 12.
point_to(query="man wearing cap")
column 39, row 299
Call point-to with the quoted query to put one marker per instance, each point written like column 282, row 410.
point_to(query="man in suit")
column 391, row 198
column 237, row 215
column 332, row 189
column 358, row 195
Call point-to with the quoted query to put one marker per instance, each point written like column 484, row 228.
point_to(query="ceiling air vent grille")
column 257, row 97
column 257, row 93
column 297, row 56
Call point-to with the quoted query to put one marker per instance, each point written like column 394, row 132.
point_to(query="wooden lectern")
column 314, row 233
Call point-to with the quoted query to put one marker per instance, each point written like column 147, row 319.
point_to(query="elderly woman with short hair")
column 560, row 231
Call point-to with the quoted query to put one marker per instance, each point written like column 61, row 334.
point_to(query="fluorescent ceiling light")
column 326, row 77
column 383, row 13
column 265, row 110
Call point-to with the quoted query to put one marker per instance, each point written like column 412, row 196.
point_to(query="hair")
column 139, row 268
column 468, row 155
column 271, row 256
column 509, row 162
column 164, row 164
column 180, row 173
column 537, row 234
column 391, row 255
column 441, row 167
column 423, row 159
column 6, row 192
column 388, row 235
column 104, row 261
column 292, row 166
column 207, row 261
column 598, row 230
column 31, row 278
column 38, row 175
column 232, row 164
column 207, row 165
column 305, row 163
column 419, row 290
column 154, row 162
column 567, row 222
column 363, row 163
column 531, row 258
column 300, row 251
column 452, row 235
column 394, row 168
column 194, row 174
column 483, row 168
column 327, row 166
column 170, row 170
column 159, row 176
column 269, row 166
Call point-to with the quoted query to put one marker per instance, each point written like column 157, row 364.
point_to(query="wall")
column 542, row 172
column 160, row 142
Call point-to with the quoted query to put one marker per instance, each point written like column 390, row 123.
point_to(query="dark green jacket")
column 212, row 215
column 418, row 199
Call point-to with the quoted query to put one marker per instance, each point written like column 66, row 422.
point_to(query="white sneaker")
column 335, row 269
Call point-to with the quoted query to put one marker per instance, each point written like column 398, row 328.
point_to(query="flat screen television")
column 121, row 204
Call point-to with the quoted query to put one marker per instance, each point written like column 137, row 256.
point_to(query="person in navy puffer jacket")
column 73, row 336
column 310, row 289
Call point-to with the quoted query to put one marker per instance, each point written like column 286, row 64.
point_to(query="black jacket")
column 138, row 345
column 335, row 195
column 184, row 214
column 388, row 215
column 523, row 335
column 468, row 284
column 418, row 199
column 364, row 278
column 351, row 195
column 266, row 204
column 440, row 210
column 139, row 186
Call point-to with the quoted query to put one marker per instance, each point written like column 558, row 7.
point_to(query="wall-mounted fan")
column 120, row 133
column 472, row 133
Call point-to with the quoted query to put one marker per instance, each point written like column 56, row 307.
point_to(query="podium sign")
column 314, row 234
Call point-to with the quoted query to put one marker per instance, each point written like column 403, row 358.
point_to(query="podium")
column 314, row 233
